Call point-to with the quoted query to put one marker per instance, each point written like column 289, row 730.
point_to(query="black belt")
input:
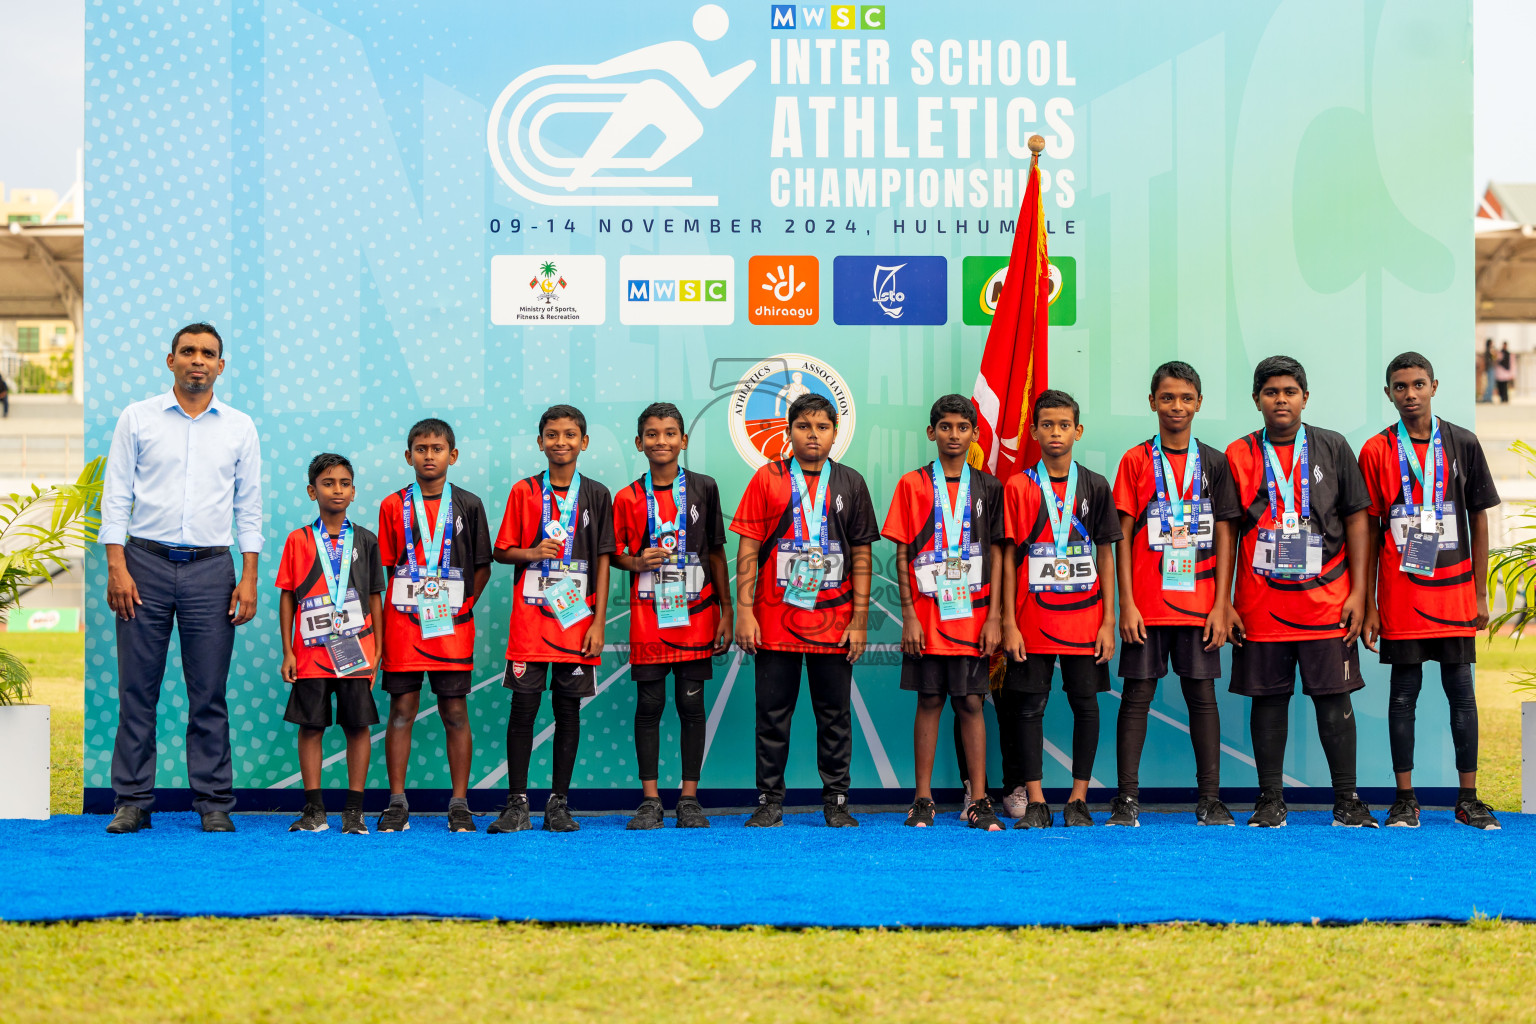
column 176, row 554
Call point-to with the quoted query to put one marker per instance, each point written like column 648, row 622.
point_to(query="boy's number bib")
column 801, row 580
column 316, row 620
column 933, row 574
column 405, row 595
column 1073, row 572
column 1277, row 553
column 1406, row 521
column 669, row 587
column 1203, row 536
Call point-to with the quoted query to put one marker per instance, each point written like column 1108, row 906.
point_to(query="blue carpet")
column 799, row 875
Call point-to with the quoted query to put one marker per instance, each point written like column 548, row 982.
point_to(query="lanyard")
column 1059, row 509
column 333, row 558
column 810, row 523
column 949, row 524
column 680, row 501
column 1407, row 461
column 436, row 546
column 1163, row 473
column 566, row 513
column 1273, row 473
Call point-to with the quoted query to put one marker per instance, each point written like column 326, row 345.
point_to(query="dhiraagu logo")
column 658, row 290
column 981, row 286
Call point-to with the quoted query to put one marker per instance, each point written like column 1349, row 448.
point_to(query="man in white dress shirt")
column 182, row 467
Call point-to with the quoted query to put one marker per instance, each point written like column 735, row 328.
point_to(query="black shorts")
column 309, row 702
column 697, row 669
column 1447, row 650
column 444, row 683
column 1081, row 675
column 1267, row 668
column 567, row 678
column 954, row 675
column 1183, row 645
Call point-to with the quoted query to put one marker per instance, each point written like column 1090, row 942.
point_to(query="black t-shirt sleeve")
column 1478, row 485
column 714, row 518
column 602, row 520
column 480, row 530
column 863, row 525
column 372, row 568
column 1353, row 495
column 1224, row 500
column 1106, row 518
column 997, row 523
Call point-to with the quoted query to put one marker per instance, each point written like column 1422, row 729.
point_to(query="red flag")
column 1015, row 361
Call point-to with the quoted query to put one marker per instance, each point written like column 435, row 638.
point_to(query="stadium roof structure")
column 1505, row 238
column 42, row 272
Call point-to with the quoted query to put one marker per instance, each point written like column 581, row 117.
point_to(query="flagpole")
column 1036, row 144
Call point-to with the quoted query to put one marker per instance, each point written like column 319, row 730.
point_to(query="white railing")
column 29, row 455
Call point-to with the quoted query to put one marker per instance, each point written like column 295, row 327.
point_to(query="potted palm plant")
column 37, row 530
column 1512, row 575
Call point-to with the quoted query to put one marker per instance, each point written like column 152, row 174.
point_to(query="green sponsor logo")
column 982, row 283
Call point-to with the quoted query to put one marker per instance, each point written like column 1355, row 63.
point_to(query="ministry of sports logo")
column 762, row 399
column 551, row 289
column 544, row 118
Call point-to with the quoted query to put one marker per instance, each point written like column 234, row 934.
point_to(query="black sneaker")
column 513, row 817
column 1036, row 815
column 394, row 819
column 1076, row 814
column 920, row 814
column 1404, row 813
column 459, row 819
column 648, row 815
column 311, row 820
column 1209, row 810
column 835, row 811
column 352, row 823
column 1353, row 813
column 557, row 815
column 982, row 816
column 1124, row 810
column 1269, row 810
column 1477, row 814
column 769, row 814
column 690, row 814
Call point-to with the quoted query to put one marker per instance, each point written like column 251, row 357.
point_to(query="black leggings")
column 1023, row 714
column 1270, row 726
column 1204, row 733
column 525, row 711
column 689, row 696
column 1404, row 698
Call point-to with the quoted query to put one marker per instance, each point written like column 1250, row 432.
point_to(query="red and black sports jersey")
column 404, row 648
column 1303, row 607
column 1135, row 491
column 764, row 515
column 649, row 644
column 535, row 633
column 1444, row 604
column 300, row 573
column 910, row 522
column 1058, row 623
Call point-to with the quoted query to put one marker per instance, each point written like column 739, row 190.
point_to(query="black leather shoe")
column 217, row 821
column 128, row 819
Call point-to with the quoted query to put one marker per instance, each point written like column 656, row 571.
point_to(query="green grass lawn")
column 283, row 969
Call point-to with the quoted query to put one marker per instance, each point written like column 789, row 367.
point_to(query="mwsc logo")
column 839, row 16
column 608, row 106
column 669, row 290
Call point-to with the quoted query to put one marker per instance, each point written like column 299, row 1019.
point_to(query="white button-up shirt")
column 178, row 480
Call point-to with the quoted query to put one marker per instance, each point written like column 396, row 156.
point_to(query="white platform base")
column 25, row 761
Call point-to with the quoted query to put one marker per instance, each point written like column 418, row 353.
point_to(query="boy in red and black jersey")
column 429, row 620
column 1177, row 503
column 949, row 561
column 1430, row 491
column 680, row 603
column 1301, row 595
column 1058, row 603
column 557, row 534
column 331, row 579
column 802, row 593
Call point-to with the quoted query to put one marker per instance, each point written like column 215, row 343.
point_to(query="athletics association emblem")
column 762, row 399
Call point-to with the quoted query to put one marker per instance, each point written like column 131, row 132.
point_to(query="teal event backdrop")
column 474, row 210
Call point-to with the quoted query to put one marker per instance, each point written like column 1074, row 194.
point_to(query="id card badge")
column 346, row 653
column 564, row 597
column 670, row 597
column 955, row 599
column 804, row 583
column 434, row 609
column 1291, row 552
column 1179, row 569
column 1421, row 552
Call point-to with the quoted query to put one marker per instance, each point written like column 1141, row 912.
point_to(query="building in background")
column 39, row 206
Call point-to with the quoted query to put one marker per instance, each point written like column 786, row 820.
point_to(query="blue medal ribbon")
column 1274, row 475
column 950, row 524
column 566, row 513
column 437, row 547
column 816, row 515
column 1059, row 510
column 1408, row 462
column 332, row 560
column 1163, row 474
column 680, row 501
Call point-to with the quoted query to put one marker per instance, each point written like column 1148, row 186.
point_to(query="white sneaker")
column 1015, row 803
column 965, row 805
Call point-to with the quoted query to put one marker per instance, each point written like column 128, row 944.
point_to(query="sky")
column 42, row 92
